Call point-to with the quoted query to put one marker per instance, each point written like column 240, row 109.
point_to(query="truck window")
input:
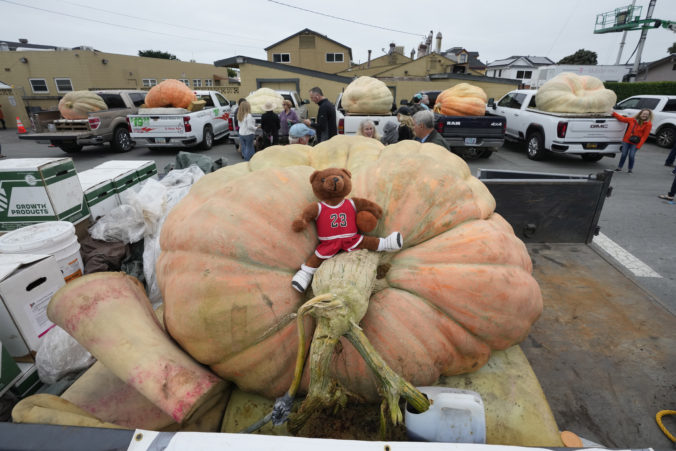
column 648, row 103
column 531, row 104
column 113, row 100
column 670, row 106
column 207, row 98
column 506, row 101
column 518, row 100
column 289, row 98
column 296, row 100
column 137, row 98
column 629, row 103
column 222, row 100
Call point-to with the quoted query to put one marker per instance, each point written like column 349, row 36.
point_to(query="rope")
column 658, row 418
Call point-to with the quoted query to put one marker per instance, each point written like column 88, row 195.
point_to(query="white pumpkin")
column 367, row 95
column 572, row 93
column 261, row 96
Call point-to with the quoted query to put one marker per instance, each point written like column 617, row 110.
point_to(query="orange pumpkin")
column 461, row 286
column 169, row 93
column 462, row 99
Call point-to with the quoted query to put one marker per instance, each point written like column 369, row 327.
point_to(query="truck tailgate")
column 599, row 130
column 156, row 126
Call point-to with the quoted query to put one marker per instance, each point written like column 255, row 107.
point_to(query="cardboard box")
column 34, row 190
column 99, row 191
column 27, row 284
column 144, row 169
column 9, row 370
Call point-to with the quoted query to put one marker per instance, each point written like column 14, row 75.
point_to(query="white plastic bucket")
column 55, row 238
column 454, row 416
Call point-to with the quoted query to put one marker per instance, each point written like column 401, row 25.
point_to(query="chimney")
column 392, row 45
column 23, row 41
column 422, row 50
column 412, row 54
column 368, row 62
column 439, row 42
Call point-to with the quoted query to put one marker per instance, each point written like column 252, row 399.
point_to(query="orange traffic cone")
column 19, row 126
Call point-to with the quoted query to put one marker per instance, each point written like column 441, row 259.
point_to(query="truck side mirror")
column 491, row 103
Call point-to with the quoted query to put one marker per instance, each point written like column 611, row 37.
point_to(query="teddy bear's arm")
column 367, row 205
column 309, row 214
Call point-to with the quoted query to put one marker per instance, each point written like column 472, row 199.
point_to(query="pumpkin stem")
column 345, row 284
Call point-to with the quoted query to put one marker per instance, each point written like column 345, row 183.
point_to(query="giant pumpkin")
column 261, row 96
column 169, row 93
column 367, row 95
column 459, row 288
column 78, row 104
column 462, row 99
column 572, row 93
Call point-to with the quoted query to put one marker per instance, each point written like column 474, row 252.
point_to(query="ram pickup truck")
column 590, row 135
column 664, row 115
column 110, row 125
column 472, row 137
column 178, row 127
column 297, row 105
column 348, row 124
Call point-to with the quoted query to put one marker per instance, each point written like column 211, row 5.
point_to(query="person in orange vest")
column 2, row 119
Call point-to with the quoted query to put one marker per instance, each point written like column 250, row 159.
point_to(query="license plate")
column 470, row 140
column 160, row 140
column 592, row 146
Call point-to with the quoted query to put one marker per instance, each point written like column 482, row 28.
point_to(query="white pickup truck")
column 348, row 124
column 590, row 135
column 664, row 115
column 178, row 127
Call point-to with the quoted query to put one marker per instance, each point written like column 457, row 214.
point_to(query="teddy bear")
column 339, row 221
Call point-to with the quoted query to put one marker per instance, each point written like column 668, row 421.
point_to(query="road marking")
column 633, row 264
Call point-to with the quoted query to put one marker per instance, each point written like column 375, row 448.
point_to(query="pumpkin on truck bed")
column 459, row 288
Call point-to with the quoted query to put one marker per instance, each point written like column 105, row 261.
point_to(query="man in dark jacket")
column 326, row 116
column 424, row 129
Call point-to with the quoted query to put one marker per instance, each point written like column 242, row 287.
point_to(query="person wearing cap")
column 300, row 134
column 326, row 116
column 405, row 130
column 424, row 129
column 270, row 124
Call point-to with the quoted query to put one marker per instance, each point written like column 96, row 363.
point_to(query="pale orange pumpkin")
column 572, row 93
column 462, row 99
column 78, row 104
column 461, row 286
column 169, row 93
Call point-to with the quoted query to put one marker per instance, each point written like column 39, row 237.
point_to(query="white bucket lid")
column 42, row 236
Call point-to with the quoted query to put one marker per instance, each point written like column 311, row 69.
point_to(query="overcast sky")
column 207, row 31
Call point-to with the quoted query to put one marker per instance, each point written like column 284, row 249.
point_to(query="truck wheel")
column 70, row 147
column 535, row 146
column 122, row 142
column 208, row 138
column 486, row 153
column 591, row 156
column 666, row 136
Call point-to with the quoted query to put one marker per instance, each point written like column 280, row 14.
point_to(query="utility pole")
column 641, row 41
column 624, row 37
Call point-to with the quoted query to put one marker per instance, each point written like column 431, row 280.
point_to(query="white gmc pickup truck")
column 178, row 127
column 590, row 135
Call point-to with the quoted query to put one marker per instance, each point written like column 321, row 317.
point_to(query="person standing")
column 2, row 119
column 670, row 195
column 287, row 118
column 326, row 116
column 247, row 128
column 406, row 124
column 270, row 124
column 424, row 129
column 638, row 130
column 368, row 129
column 671, row 157
column 300, row 134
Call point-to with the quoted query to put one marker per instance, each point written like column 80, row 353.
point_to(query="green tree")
column 672, row 49
column 232, row 72
column 157, row 54
column 582, row 56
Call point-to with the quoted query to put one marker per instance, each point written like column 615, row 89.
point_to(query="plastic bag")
column 59, row 355
column 123, row 223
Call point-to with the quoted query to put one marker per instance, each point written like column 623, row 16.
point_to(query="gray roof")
column 235, row 61
column 522, row 61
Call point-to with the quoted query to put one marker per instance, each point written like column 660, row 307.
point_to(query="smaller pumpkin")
column 367, row 95
column 572, row 93
column 170, row 93
column 260, row 97
column 462, row 99
column 78, row 104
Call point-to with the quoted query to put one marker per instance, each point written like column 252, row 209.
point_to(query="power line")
column 122, row 26
column 346, row 20
column 160, row 22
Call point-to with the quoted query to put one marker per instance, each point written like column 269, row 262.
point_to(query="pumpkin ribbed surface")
column 261, row 96
column 78, row 104
column 572, row 93
column 460, row 287
column 462, row 99
column 169, row 93
column 367, row 95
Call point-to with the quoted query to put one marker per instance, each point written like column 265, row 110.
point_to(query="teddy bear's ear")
column 348, row 173
column 313, row 176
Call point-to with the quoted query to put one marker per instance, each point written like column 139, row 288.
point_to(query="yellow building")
column 311, row 50
column 40, row 77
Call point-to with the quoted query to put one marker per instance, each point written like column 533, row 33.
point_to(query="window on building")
column 334, row 57
column 149, row 82
column 197, row 83
column 524, row 74
column 500, row 73
column 63, row 84
column 185, row 81
column 462, row 58
column 208, row 83
column 39, row 85
column 281, row 58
